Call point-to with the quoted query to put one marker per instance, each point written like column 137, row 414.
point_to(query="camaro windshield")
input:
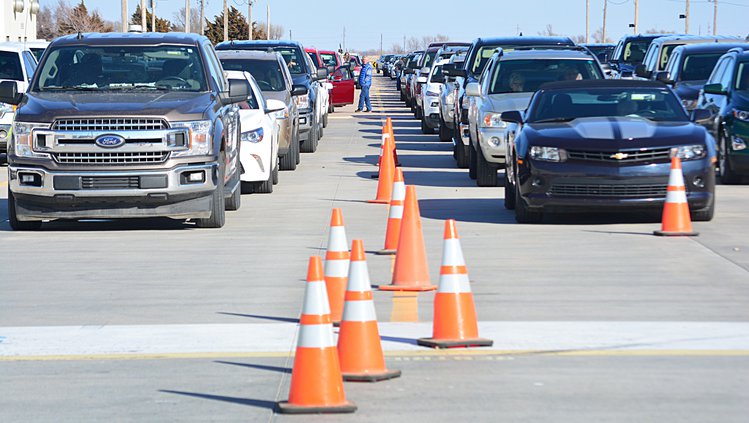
column 267, row 73
column 569, row 104
column 527, row 75
column 122, row 68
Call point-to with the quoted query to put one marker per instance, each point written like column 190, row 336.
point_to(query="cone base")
column 671, row 233
column 415, row 288
column 386, row 252
column 284, row 407
column 371, row 377
column 454, row 343
column 375, row 176
column 375, row 201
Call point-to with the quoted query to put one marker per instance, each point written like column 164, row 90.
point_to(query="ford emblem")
column 110, row 141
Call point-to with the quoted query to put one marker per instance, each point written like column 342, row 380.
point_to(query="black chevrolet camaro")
column 605, row 145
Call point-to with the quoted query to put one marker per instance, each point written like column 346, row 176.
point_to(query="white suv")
column 18, row 64
column 434, row 83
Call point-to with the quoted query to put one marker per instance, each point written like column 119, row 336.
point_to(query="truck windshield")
column 128, row 68
column 657, row 104
column 527, row 75
column 10, row 66
column 267, row 73
column 634, row 50
column 329, row 59
column 293, row 58
column 698, row 67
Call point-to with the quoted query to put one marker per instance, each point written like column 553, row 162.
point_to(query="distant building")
column 18, row 20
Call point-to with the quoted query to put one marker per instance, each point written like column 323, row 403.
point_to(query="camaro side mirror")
column 513, row 116
column 299, row 90
column 473, row 89
column 716, row 89
column 9, row 93
column 664, row 77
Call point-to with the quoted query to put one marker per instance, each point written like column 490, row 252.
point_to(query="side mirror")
column 716, row 89
column 447, row 67
column 664, row 77
column 239, row 90
column 421, row 80
column 9, row 93
column 299, row 90
column 322, row 73
column 473, row 89
column 273, row 106
column 699, row 115
column 513, row 116
column 642, row 72
column 438, row 79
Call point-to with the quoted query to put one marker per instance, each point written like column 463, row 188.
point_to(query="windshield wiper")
column 141, row 87
column 556, row 119
column 71, row 88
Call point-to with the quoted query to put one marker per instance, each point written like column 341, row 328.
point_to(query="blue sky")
column 322, row 26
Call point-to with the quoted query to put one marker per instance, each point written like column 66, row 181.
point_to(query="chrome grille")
column 145, row 157
column 110, row 182
column 625, row 156
column 608, row 190
column 110, row 124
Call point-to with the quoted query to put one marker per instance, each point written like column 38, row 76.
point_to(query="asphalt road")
column 593, row 318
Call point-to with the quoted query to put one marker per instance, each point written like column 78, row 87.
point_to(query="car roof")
column 598, row 45
column 248, row 54
column 647, row 36
column 13, row 46
column 440, row 44
column 547, row 54
column 694, row 39
column 256, row 44
column 522, row 40
column 600, row 83
column 710, row 47
column 129, row 38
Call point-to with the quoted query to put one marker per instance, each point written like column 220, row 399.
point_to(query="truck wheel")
column 218, row 211
column 289, row 160
column 19, row 225
column 234, row 202
column 461, row 154
column 425, row 129
column 472, row 162
column 446, row 134
column 486, row 173
column 727, row 175
column 310, row 145
column 509, row 193
column 522, row 213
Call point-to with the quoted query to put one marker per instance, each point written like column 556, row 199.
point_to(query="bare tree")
column 396, row 49
column 659, row 31
column 597, row 37
column 179, row 20
column 548, row 31
column 578, row 39
column 413, row 44
column 46, row 28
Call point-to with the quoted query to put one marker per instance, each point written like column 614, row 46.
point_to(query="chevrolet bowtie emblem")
column 619, row 156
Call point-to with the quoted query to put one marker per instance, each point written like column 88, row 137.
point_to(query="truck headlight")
column 254, row 136
column 200, row 138
column 689, row 152
column 741, row 115
column 493, row 120
column 548, row 154
column 302, row 101
column 23, row 139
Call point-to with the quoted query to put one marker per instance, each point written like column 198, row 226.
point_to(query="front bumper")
column 257, row 161
column 493, row 143
column 305, row 122
column 562, row 187
column 113, row 194
column 739, row 158
column 432, row 112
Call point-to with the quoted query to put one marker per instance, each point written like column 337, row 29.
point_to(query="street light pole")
column 267, row 16
column 187, row 15
column 587, row 21
column 637, row 14
column 124, row 16
column 686, row 19
column 202, row 16
column 715, row 17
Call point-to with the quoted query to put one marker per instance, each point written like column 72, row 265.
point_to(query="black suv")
column 303, row 72
column 125, row 125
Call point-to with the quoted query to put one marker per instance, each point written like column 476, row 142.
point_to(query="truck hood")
column 614, row 133
column 508, row 102
column 174, row 106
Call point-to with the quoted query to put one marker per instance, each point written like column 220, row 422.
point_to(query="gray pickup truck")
column 125, row 125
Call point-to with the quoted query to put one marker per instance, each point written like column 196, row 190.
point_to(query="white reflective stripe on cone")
column 453, row 254
column 337, row 239
column 359, row 311
column 316, row 336
column 396, row 212
column 399, row 191
column 316, row 299
column 676, row 178
column 336, row 268
column 454, row 284
column 677, row 196
column 358, row 277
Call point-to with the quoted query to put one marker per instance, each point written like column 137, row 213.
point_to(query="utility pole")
column 124, row 16
column 637, row 15
column 143, row 15
column 290, row 37
column 380, row 44
column 344, row 39
column 267, row 17
column 587, row 21
column 605, row 9
column 226, row 21
column 249, row 18
column 187, row 15
column 153, row 15
column 404, row 44
column 686, row 19
column 202, row 17
column 715, row 17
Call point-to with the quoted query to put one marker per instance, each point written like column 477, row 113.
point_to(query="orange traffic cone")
column 388, row 137
column 316, row 381
column 455, row 323
column 336, row 265
column 676, row 219
column 411, row 271
column 384, row 140
column 387, row 172
column 392, row 143
column 394, row 215
column 359, row 347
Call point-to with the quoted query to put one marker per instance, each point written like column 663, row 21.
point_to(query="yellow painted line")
column 3, row 183
column 455, row 353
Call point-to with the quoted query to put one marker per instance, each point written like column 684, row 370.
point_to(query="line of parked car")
column 158, row 125
column 585, row 127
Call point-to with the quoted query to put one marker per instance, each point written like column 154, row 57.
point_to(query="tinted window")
column 10, row 66
column 727, row 79
column 267, row 73
column 124, row 67
column 37, row 52
column 313, row 57
column 697, row 67
column 634, row 50
column 527, row 75
column 718, row 72
column 742, row 77
column 329, row 59
column 293, row 58
column 665, row 54
column 429, row 58
column 30, row 63
column 648, row 103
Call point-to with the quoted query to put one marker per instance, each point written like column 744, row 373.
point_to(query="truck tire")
column 706, row 214
column 310, row 144
column 425, row 129
column 461, row 154
column 486, row 173
column 446, row 135
column 275, row 172
column 727, row 175
column 472, row 159
column 325, row 119
column 234, row 202
column 289, row 160
column 509, row 194
column 19, row 225
column 218, row 210
column 331, row 109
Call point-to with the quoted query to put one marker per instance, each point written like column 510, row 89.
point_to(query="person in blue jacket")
column 365, row 82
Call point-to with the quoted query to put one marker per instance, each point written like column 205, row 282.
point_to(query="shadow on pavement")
column 257, row 366
column 257, row 316
column 481, row 210
column 399, row 340
column 270, row 405
column 432, row 178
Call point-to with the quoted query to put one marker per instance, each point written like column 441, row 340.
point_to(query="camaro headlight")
column 689, row 152
column 302, row 101
column 23, row 139
column 254, row 136
column 200, row 138
column 741, row 115
column 548, row 154
column 493, row 120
